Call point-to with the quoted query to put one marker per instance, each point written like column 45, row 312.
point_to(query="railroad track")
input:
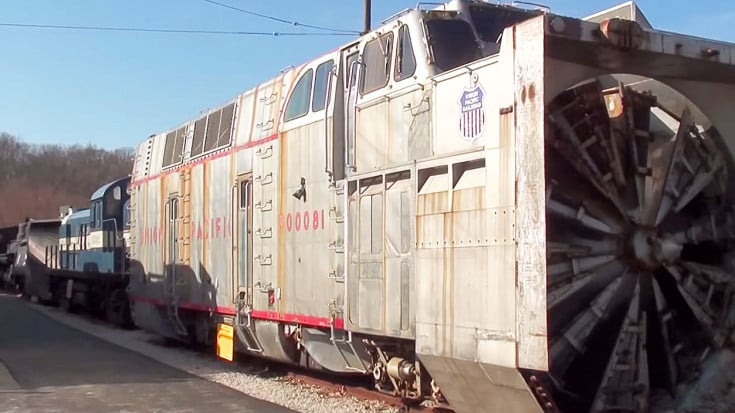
column 357, row 387
column 360, row 389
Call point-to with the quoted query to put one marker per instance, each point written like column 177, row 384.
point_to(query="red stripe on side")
column 306, row 320
column 224, row 153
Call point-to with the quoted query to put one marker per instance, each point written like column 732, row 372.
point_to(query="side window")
column 377, row 57
column 173, row 151
column 298, row 104
column 320, row 86
column 126, row 215
column 98, row 214
column 405, row 59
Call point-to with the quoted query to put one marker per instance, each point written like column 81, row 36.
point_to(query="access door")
column 244, row 245
column 352, row 71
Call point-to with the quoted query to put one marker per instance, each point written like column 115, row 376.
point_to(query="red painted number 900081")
column 302, row 221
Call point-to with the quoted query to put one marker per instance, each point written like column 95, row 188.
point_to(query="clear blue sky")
column 114, row 89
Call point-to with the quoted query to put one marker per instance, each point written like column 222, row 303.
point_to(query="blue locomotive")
column 81, row 259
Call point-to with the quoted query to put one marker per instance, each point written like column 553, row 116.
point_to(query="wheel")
column 65, row 304
column 117, row 309
column 639, row 246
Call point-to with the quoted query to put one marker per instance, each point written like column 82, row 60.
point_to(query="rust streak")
column 279, row 237
column 203, row 259
column 162, row 218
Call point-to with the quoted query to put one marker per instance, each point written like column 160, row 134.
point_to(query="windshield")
column 452, row 43
column 490, row 21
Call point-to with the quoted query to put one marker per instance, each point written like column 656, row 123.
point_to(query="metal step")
column 244, row 327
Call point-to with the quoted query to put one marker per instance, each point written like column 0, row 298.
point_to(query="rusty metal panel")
column 628, row 10
column 305, row 226
column 381, row 271
column 244, row 122
column 157, row 150
column 464, row 108
column 291, row 147
column 531, row 196
column 466, row 251
column 411, row 123
column 266, row 249
column 268, row 103
column 371, row 143
column 197, row 260
column 217, row 218
column 475, row 387
column 398, row 259
column 142, row 161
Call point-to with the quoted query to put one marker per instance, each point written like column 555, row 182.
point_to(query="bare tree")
column 36, row 179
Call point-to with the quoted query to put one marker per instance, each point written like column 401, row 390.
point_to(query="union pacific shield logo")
column 472, row 113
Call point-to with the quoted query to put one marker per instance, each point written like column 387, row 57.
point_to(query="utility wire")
column 278, row 19
column 143, row 29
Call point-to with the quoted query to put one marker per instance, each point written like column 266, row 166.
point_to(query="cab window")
column 298, row 104
column 376, row 57
column 451, row 43
column 405, row 66
column 321, row 80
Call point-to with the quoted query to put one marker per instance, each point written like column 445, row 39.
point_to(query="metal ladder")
column 172, row 304
column 337, row 246
column 262, row 233
column 170, row 281
column 184, row 233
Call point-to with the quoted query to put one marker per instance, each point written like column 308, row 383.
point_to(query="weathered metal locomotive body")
column 463, row 202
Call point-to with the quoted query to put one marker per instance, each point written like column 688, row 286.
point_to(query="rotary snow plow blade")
column 622, row 143
column 637, row 148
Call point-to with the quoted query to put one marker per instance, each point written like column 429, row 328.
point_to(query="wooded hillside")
column 35, row 180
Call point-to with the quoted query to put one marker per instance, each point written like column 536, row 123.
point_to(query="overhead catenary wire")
column 161, row 30
column 281, row 20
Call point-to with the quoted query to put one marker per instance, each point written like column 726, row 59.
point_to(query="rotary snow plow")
column 621, row 140
column 636, row 139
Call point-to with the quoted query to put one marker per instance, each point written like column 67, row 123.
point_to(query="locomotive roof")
column 82, row 213
column 101, row 191
column 622, row 8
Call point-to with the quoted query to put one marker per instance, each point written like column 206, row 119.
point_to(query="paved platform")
column 48, row 367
